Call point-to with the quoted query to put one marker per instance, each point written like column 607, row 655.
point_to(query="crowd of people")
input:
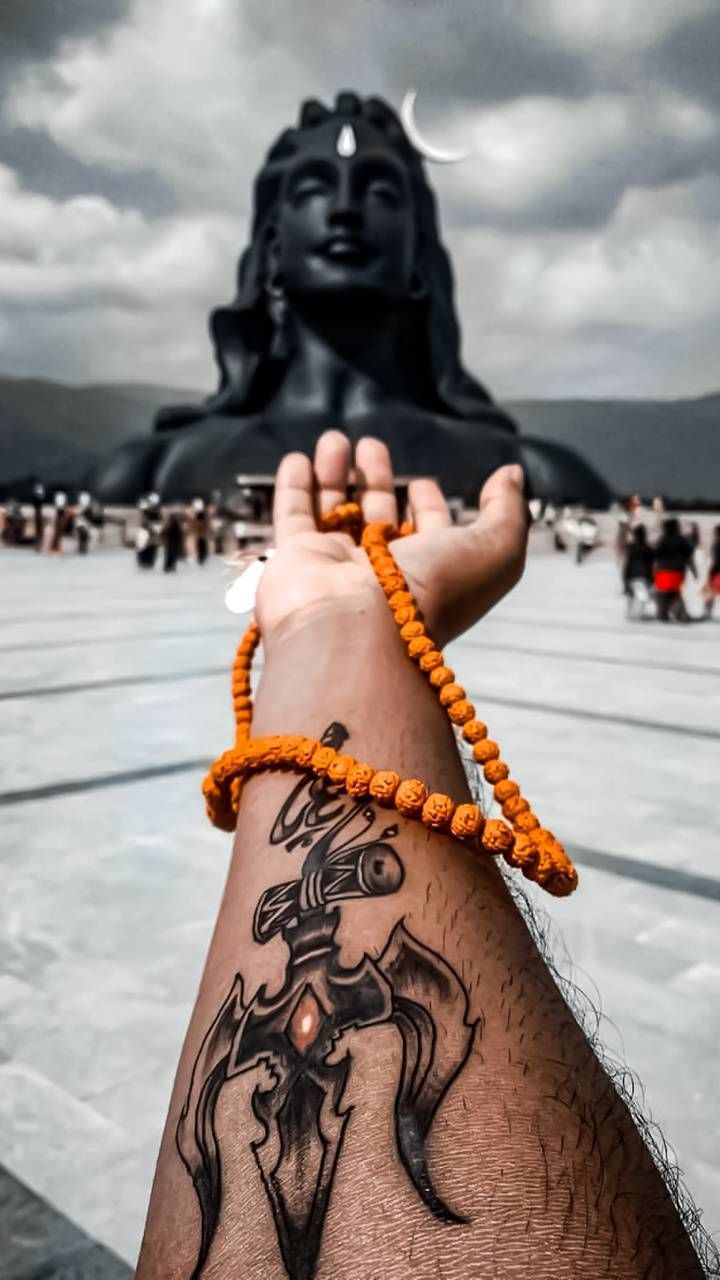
column 655, row 561
column 53, row 525
column 174, row 534
column 656, row 553
column 58, row 522
column 654, row 570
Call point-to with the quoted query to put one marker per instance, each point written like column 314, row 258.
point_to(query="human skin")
column 531, row 1145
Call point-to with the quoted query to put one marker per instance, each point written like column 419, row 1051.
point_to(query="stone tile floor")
column 113, row 692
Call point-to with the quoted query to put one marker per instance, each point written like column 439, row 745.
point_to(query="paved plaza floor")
column 113, row 696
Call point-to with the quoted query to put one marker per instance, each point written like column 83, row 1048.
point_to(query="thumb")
column 502, row 524
column 505, row 486
column 488, row 556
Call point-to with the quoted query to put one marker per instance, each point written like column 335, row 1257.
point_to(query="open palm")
column 456, row 573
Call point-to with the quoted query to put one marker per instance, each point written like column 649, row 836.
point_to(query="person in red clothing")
column 674, row 555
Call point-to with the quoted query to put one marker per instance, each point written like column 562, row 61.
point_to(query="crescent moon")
column 426, row 149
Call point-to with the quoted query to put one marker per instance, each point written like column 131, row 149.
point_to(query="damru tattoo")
column 295, row 1033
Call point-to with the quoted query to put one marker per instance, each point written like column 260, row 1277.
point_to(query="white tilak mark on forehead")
column 346, row 144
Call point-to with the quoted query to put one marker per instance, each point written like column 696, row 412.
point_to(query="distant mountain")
column 646, row 446
column 58, row 431
column 669, row 447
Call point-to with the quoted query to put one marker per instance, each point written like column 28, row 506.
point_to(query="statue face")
column 345, row 222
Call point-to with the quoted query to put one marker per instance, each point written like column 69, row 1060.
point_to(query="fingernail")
column 516, row 475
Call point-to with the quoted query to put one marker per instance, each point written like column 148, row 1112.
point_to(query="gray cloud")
column 687, row 57
column 33, row 30
column 610, row 146
column 30, row 33
column 472, row 53
column 51, row 170
column 583, row 231
column 460, row 51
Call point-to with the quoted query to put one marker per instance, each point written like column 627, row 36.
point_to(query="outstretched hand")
column 456, row 572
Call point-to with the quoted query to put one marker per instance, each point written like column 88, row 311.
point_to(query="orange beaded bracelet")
column 521, row 841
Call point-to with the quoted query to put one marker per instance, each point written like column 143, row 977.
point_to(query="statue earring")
column 274, row 289
column 277, row 306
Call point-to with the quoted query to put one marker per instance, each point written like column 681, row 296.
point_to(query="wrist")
column 344, row 660
column 325, row 662
column 361, row 619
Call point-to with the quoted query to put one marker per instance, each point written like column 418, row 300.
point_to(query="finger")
column 428, row 508
column 332, row 468
column 500, row 531
column 504, row 490
column 376, row 482
column 293, row 510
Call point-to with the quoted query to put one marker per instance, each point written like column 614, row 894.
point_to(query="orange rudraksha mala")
column 517, row 836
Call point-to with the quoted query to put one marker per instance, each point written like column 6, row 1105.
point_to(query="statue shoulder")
column 490, row 417
column 207, row 456
column 128, row 472
column 557, row 473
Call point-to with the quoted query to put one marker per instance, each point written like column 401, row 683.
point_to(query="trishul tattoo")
column 295, row 1033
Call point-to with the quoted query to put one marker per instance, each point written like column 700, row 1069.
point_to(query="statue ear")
column 277, row 305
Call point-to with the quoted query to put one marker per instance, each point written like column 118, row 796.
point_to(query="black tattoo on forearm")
column 294, row 1033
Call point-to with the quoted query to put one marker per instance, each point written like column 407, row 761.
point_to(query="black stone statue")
column 343, row 317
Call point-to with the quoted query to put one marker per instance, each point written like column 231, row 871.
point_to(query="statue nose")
column 345, row 209
column 345, row 215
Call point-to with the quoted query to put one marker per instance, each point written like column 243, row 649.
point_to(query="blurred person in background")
column 674, row 555
column 97, row 517
column 621, row 512
column 218, row 523
column 217, row 530
column 693, row 534
column 559, row 527
column 586, row 537
column 637, row 572
column 240, row 530
column 147, row 536
column 199, row 527
column 38, row 499
column 711, row 589
column 82, row 523
column 659, row 512
column 13, row 531
column 173, row 541
column 576, row 529
column 61, row 521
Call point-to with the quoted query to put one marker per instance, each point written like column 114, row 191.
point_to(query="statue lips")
column 343, row 247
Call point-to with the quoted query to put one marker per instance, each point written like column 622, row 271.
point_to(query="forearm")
column 516, row 1130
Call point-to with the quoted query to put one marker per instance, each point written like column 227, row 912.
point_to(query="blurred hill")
column 647, row 446
column 669, row 447
column 58, row 431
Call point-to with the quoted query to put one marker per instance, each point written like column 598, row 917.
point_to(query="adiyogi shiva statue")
column 344, row 316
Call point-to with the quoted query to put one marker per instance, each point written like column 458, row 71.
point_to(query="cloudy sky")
column 584, row 229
